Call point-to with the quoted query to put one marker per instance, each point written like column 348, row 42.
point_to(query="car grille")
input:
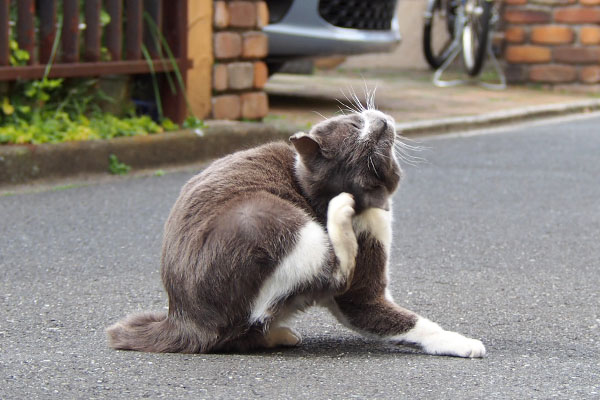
column 374, row 15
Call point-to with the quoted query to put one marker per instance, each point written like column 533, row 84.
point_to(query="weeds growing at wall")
column 59, row 110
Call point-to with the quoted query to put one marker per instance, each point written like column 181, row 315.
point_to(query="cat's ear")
column 306, row 145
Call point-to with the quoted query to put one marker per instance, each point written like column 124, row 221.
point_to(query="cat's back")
column 267, row 168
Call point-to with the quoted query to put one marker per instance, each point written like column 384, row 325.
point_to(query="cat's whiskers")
column 321, row 115
column 355, row 105
column 357, row 100
column 380, row 154
column 400, row 141
column 402, row 151
column 370, row 161
column 346, row 107
column 370, row 97
column 354, row 101
column 373, row 93
column 367, row 94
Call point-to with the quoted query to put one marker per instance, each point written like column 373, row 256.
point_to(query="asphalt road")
column 497, row 237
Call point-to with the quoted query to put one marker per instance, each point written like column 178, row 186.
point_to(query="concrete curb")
column 496, row 118
column 25, row 163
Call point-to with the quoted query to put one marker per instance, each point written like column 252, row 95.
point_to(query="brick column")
column 239, row 72
column 552, row 41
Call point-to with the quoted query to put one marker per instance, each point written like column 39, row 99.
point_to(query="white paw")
column 435, row 340
column 341, row 209
column 339, row 227
column 452, row 344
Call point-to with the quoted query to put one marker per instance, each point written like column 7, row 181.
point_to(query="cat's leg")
column 368, row 308
column 341, row 234
column 308, row 265
column 382, row 319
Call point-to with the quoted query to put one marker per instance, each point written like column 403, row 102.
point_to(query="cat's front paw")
column 435, row 340
column 452, row 344
column 341, row 209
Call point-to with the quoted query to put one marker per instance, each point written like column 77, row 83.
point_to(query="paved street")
column 497, row 237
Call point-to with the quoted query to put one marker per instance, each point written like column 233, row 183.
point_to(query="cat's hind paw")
column 283, row 336
column 341, row 233
column 341, row 210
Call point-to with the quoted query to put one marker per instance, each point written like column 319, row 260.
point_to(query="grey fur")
column 233, row 224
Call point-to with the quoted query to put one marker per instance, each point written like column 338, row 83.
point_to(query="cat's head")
column 352, row 153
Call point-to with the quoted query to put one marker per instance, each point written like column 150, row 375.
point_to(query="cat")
column 264, row 233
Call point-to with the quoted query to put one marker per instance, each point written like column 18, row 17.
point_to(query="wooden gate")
column 133, row 24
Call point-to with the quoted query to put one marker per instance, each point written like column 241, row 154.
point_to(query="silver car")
column 316, row 28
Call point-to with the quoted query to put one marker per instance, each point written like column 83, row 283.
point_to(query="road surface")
column 497, row 237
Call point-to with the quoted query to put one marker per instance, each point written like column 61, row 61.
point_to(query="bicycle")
column 464, row 26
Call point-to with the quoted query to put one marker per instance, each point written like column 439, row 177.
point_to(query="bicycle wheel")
column 478, row 14
column 438, row 31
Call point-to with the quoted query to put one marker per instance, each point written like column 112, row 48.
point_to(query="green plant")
column 192, row 122
column 66, row 187
column 58, row 110
column 17, row 55
column 116, row 167
column 161, row 43
column 274, row 117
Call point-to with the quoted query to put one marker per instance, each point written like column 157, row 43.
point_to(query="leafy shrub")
column 58, row 110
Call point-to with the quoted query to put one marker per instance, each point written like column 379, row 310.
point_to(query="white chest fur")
column 377, row 223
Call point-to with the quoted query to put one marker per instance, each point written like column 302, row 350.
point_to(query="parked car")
column 315, row 28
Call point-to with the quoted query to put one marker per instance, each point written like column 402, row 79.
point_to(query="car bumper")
column 302, row 32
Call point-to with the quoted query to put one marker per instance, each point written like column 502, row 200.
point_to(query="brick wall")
column 239, row 47
column 552, row 41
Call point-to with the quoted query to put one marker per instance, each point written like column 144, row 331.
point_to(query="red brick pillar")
column 552, row 41
column 239, row 72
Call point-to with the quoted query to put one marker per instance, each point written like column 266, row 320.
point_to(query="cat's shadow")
column 353, row 347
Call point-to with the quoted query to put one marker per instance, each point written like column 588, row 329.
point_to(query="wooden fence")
column 123, row 38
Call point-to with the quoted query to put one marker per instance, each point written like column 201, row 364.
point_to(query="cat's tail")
column 153, row 332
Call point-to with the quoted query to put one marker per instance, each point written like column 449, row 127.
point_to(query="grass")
column 116, row 167
column 66, row 187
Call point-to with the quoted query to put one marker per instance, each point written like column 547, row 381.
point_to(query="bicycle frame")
column 462, row 41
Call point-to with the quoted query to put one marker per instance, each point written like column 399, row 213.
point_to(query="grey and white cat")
column 264, row 233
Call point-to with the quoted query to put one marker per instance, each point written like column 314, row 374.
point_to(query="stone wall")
column 239, row 72
column 552, row 41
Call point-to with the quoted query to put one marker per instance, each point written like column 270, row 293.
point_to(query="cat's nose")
column 381, row 125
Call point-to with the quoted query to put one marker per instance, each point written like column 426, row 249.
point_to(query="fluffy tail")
column 153, row 332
